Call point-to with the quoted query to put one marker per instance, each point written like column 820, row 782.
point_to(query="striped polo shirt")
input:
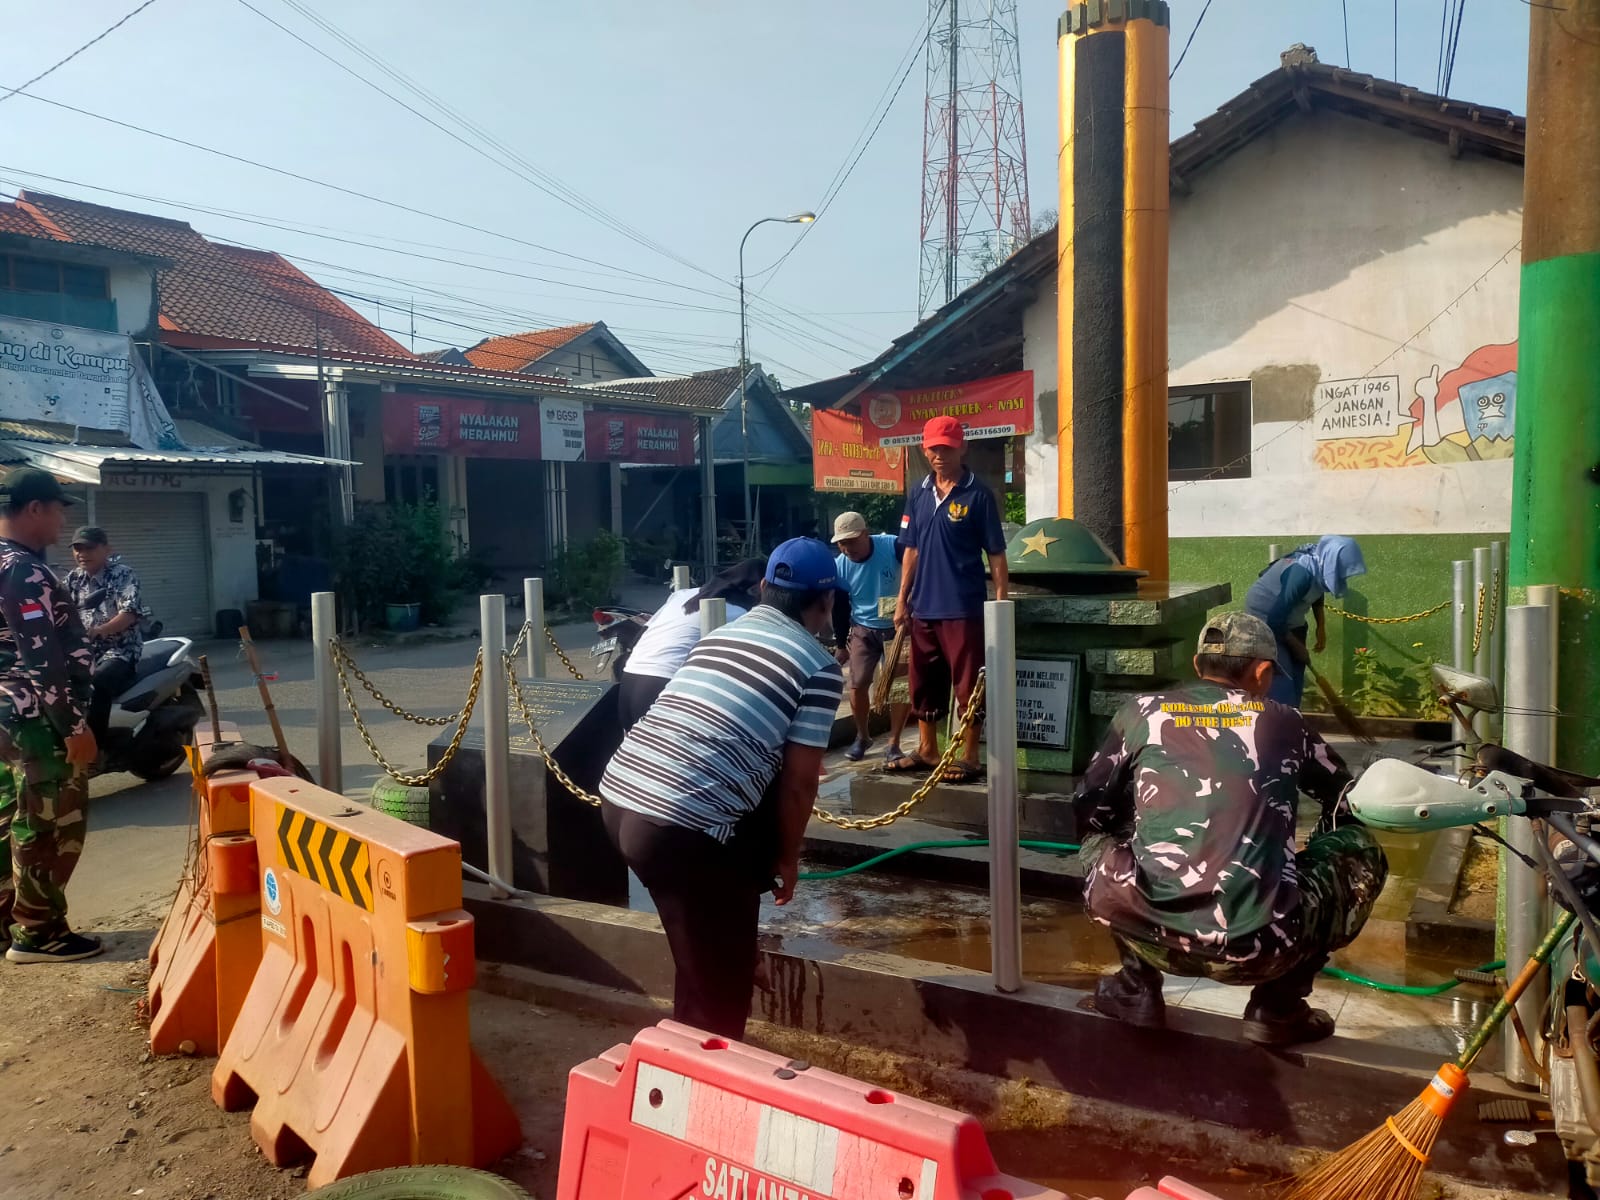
column 713, row 742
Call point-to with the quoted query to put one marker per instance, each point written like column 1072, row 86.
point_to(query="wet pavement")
column 895, row 913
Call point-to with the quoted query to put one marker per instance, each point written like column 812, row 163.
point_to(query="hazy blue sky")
column 684, row 121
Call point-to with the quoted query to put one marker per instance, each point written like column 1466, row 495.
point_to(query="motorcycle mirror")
column 1475, row 691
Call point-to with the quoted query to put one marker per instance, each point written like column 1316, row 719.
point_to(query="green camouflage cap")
column 1238, row 635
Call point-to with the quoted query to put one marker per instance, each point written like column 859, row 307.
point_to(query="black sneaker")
column 63, row 947
column 1304, row 1024
column 1131, row 999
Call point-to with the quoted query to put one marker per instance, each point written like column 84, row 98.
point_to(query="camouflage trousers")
column 1341, row 873
column 43, row 803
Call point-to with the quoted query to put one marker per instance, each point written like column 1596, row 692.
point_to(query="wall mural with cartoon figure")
column 1464, row 414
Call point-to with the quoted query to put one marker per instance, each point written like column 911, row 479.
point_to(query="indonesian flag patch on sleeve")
column 905, row 520
column 31, row 609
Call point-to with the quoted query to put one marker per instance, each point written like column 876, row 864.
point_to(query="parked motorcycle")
column 154, row 719
column 617, row 629
column 1564, row 806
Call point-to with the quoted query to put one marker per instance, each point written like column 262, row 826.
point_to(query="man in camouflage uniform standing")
column 105, row 593
column 45, row 743
column 1190, row 807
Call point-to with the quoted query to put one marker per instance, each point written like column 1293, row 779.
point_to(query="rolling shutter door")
column 163, row 537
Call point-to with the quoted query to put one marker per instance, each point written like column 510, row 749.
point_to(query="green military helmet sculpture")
column 1059, row 555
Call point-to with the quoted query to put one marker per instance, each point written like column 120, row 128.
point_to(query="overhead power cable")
column 530, row 172
column 96, row 39
column 1199, row 21
column 396, row 205
column 864, row 140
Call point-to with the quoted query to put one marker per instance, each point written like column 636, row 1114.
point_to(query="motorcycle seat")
column 148, row 665
column 1568, row 784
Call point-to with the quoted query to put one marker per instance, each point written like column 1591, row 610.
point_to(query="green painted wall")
column 1405, row 574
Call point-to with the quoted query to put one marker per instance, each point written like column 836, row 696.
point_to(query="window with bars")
column 20, row 274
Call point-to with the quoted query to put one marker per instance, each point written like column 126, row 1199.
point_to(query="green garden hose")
column 1398, row 989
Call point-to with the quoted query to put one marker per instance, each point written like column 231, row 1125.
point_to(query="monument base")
column 559, row 846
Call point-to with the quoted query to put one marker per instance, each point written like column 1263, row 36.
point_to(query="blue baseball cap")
column 803, row 565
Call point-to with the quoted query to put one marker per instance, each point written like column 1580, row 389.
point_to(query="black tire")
column 153, row 769
column 400, row 800
column 421, row 1183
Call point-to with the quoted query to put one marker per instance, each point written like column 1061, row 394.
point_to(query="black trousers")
column 708, row 896
column 635, row 695
column 110, row 679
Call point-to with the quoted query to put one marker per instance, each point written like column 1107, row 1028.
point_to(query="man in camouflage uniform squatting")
column 1189, row 814
column 45, row 743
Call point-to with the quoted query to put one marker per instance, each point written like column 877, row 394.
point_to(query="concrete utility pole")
column 1555, row 515
column 1112, row 278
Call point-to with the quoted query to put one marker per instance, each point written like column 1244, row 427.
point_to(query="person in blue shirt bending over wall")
column 869, row 565
column 951, row 523
column 1293, row 587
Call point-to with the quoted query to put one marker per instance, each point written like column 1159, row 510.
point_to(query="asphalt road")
column 137, row 831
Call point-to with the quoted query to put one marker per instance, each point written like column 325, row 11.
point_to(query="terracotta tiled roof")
column 703, row 389
column 519, row 350
column 16, row 219
column 220, row 291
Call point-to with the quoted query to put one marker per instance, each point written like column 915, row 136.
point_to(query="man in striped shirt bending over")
column 709, row 794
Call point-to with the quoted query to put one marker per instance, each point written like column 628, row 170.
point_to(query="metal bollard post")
column 492, row 702
column 1494, row 631
column 1548, row 595
column 713, row 615
column 1530, row 729
column 533, row 611
column 681, row 578
column 1461, row 632
column 1005, row 872
column 1274, row 552
column 324, row 628
column 1482, row 579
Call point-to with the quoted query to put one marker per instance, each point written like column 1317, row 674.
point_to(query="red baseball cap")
column 943, row 431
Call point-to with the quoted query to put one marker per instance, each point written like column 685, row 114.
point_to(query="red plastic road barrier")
column 682, row 1114
column 1171, row 1189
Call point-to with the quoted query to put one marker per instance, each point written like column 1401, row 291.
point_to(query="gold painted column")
column 1112, row 276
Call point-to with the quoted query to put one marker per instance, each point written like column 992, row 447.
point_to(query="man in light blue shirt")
column 869, row 567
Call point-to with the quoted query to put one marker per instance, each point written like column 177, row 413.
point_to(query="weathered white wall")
column 133, row 288
column 1329, row 248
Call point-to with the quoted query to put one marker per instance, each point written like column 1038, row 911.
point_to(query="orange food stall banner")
column 1000, row 406
column 843, row 462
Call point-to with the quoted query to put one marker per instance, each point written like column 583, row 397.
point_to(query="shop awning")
column 84, row 464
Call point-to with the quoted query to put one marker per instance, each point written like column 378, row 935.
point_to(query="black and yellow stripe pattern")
column 327, row 856
column 1112, row 276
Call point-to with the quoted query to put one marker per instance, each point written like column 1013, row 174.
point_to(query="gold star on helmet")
column 1038, row 544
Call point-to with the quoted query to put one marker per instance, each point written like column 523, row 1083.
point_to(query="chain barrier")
column 461, row 718
column 345, row 661
column 522, row 640
column 562, row 654
column 1477, row 620
column 974, row 706
column 1494, row 606
column 1416, row 616
column 514, row 689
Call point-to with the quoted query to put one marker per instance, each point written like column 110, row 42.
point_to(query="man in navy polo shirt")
column 951, row 521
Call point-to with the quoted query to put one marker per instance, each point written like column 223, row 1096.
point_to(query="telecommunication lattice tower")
column 974, row 155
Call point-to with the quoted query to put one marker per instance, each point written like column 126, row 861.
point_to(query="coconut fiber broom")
column 1387, row 1164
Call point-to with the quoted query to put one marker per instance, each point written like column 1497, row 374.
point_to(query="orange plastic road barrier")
column 209, row 946
column 680, row 1113
column 353, row 1041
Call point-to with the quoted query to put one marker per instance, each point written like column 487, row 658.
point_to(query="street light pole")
column 803, row 218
